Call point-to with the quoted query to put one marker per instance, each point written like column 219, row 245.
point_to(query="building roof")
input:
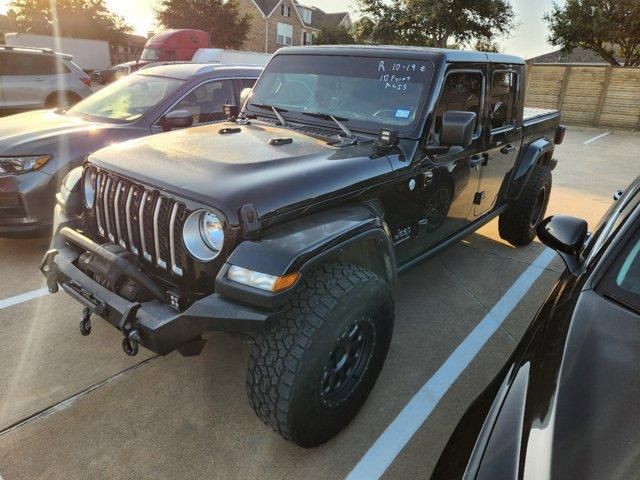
column 578, row 55
column 320, row 18
column 266, row 6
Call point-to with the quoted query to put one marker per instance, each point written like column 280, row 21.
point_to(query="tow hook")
column 130, row 343
column 85, row 322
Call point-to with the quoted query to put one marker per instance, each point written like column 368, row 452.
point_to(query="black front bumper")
column 154, row 324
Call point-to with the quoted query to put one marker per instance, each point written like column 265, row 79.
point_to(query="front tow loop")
column 85, row 322
column 130, row 343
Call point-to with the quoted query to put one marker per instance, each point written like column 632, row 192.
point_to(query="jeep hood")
column 227, row 171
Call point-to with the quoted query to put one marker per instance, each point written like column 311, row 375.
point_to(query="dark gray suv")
column 37, row 149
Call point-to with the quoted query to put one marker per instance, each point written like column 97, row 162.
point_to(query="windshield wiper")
column 338, row 121
column 277, row 110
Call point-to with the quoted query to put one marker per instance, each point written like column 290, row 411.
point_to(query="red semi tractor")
column 167, row 46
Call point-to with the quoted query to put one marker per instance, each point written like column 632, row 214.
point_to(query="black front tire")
column 337, row 325
column 518, row 223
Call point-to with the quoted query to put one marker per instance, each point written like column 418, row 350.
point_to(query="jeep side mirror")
column 458, row 129
column 566, row 235
column 244, row 96
column 178, row 119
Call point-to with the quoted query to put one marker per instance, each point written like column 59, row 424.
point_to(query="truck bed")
column 537, row 114
column 538, row 123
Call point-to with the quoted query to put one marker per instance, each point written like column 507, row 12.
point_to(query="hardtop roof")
column 417, row 53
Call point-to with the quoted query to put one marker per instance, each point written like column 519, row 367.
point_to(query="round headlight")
column 89, row 187
column 203, row 235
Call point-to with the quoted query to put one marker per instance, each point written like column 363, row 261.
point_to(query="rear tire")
column 518, row 223
column 309, row 375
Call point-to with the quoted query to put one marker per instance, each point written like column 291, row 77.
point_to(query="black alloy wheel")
column 344, row 369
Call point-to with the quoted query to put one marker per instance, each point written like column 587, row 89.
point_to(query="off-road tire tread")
column 277, row 353
column 514, row 225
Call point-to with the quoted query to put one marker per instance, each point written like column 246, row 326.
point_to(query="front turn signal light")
column 262, row 281
column 284, row 283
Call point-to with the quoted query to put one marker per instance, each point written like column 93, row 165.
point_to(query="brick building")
column 128, row 51
column 280, row 23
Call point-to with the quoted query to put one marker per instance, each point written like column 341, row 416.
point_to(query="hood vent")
column 278, row 142
column 229, row 130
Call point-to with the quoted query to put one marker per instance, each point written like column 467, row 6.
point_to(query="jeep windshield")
column 369, row 93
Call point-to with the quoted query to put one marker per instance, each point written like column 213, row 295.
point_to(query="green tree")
column 434, row 23
column 220, row 18
column 611, row 28
column 334, row 35
column 69, row 18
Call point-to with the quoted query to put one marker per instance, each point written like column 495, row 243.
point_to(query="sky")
column 528, row 40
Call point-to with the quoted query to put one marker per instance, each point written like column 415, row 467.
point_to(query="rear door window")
column 25, row 64
column 502, row 111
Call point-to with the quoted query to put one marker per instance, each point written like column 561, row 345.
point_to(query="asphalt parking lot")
column 76, row 407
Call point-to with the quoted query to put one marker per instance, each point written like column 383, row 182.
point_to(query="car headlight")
column 203, row 235
column 262, row 281
column 22, row 164
column 89, row 188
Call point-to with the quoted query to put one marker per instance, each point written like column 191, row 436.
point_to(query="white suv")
column 32, row 78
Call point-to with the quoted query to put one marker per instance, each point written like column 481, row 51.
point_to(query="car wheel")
column 309, row 375
column 518, row 223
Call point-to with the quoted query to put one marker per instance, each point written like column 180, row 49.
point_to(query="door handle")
column 39, row 79
column 507, row 149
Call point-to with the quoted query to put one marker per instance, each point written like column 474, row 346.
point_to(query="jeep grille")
column 141, row 220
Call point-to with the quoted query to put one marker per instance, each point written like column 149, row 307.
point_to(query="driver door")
column 452, row 178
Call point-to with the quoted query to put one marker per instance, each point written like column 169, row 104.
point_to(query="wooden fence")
column 587, row 95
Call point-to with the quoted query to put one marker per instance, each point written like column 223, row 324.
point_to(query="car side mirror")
column 458, row 128
column 245, row 95
column 566, row 235
column 178, row 119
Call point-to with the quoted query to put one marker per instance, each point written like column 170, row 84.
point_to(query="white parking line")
column 388, row 445
column 25, row 297
column 595, row 139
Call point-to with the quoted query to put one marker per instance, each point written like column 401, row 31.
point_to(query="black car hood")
column 572, row 409
column 227, row 171
column 39, row 131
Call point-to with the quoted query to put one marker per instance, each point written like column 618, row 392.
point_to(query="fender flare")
column 357, row 232
column 538, row 151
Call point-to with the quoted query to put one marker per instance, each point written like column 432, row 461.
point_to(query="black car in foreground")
column 567, row 403
column 348, row 166
column 37, row 149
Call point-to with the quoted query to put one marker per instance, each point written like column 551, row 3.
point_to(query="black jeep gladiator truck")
column 346, row 167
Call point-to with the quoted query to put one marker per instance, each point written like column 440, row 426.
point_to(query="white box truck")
column 219, row 55
column 87, row 54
